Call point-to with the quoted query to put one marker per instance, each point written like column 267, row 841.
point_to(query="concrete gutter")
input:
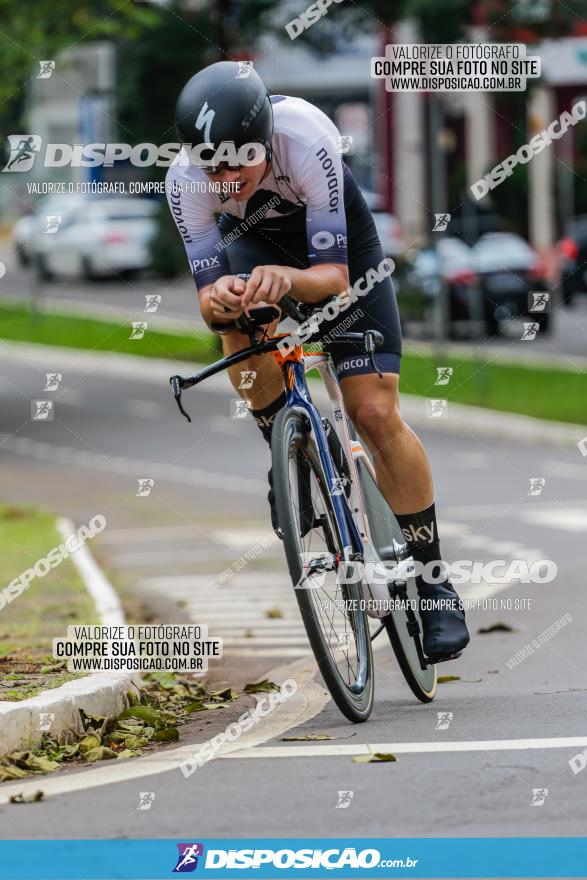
column 460, row 419
column 101, row 693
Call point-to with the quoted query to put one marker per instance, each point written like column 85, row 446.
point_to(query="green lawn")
column 30, row 622
column 542, row 392
column 539, row 391
column 20, row 323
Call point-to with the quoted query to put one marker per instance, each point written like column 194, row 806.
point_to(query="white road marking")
column 126, row 466
column 71, row 397
column 265, row 641
column 267, row 652
column 567, row 519
column 151, row 533
column 263, row 626
column 246, row 538
column 567, row 470
column 240, row 583
column 150, row 558
column 478, row 592
column 342, row 750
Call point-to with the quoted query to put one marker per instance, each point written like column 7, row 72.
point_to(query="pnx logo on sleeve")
column 187, row 860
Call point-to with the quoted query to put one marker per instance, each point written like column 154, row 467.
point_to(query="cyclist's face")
column 242, row 180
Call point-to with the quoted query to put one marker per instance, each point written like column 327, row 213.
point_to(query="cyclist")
column 295, row 223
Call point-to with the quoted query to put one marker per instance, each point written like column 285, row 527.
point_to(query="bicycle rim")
column 336, row 626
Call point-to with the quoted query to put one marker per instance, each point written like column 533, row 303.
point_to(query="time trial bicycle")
column 348, row 560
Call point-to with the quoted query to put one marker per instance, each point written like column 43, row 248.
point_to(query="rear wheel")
column 390, row 545
column 330, row 603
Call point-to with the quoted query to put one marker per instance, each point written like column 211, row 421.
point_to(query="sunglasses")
column 215, row 170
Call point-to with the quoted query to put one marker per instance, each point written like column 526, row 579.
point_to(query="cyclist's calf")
column 257, row 379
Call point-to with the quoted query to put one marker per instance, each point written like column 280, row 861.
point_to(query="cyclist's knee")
column 378, row 420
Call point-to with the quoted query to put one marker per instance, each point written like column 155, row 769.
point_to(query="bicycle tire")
column 290, row 436
column 385, row 532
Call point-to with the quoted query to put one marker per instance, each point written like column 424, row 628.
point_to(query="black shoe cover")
column 443, row 620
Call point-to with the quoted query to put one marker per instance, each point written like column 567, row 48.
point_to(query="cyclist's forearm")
column 315, row 284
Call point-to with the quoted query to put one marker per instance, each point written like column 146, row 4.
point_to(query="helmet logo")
column 204, row 121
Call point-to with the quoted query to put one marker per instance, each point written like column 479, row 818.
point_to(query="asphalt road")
column 206, row 508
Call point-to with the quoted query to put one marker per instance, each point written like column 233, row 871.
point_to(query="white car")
column 389, row 228
column 390, row 233
column 28, row 229
column 100, row 238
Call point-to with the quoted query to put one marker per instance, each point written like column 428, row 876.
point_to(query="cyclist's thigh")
column 377, row 310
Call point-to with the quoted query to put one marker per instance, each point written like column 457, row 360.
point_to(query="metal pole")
column 438, row 200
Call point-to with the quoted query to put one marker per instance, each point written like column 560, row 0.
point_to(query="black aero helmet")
column 225, row 102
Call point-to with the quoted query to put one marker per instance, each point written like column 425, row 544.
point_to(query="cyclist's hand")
column 267, row 284
column 226, row 298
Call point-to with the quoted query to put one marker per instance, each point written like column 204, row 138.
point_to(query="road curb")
column 98, row 694
column 474, row 421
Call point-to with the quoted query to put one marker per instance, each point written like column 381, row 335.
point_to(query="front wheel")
column 328, row 596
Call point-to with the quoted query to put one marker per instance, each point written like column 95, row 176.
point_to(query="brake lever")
column 370, row 350
column 175, row 382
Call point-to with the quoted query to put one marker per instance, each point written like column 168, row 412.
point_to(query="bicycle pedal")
column 432, row 661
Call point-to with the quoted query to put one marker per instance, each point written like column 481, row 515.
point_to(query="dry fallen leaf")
column 375, row 758
column 260, row 687
column 274, row 613
column 27, row 798
column 311, row 737
column 496, row 627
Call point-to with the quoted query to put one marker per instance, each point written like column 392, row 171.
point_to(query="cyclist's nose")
column 230, row 175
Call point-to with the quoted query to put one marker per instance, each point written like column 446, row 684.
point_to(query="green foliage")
column 168, row 256
column 51, row 26
column 442, row 21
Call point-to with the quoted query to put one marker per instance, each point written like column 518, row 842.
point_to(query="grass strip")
column 30, row 622
column 532, row 390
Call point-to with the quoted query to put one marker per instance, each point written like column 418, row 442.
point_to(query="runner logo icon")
column 187, row 860
column 23, row 149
